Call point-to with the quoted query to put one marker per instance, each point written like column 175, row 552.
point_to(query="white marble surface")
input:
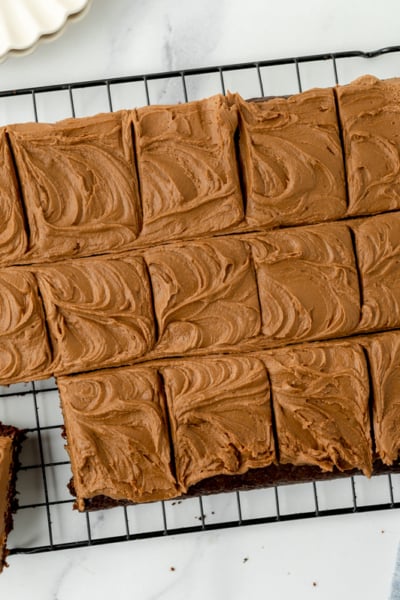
column 346, row 557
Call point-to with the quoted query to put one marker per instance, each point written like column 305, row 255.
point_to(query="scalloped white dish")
column 24, row 23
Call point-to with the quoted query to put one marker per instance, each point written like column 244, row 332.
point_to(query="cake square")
column 99, row 311
column 291, row 159
column 117, row 435
column 79, row 184
column 307, row 282
column 13, row 240
column 320, row 398
column 10, row 445
column 377, row 241
column 384, row 358
column 204, row 293
column 24, row 347
column 220, row 416
column 370, row 117
column 187, row 168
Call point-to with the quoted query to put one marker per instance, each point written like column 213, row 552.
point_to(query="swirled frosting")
column 99, row 312
column 291, row 156
column 187, row 168
column 204, row 294
column 220, row 417
column 5, row 475
column 370, row 115
column 79, row 185
column 24, row 349
column 307, row 282
column 117, row 435
column 13, row 240
column 384, row 357
column 378, row 249
column 320, row 397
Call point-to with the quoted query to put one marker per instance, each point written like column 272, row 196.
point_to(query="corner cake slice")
column 10, row 444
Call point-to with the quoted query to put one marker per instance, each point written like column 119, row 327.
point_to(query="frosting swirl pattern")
column 79, row 185
column 291, row 156
column 307, row 281
column 204, row 294
column 220, row 417
column 117, row 435
column 99, row 312
column 384, row 357
column 370, row 115
column 187, row 168
column 24, row 349
column 378, row 249
column 13, row 240
column 320, row 399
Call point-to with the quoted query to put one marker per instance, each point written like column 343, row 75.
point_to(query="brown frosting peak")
column 320, row 399
column 370, row 114
column 204, row 294
column 79, row 185
column 220, row 417
column 291, row 156
column 99, row 311
column 117, row 435
column 24, row 350
column 187, row 168
column 307, row 282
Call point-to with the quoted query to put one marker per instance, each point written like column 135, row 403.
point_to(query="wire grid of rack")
column 45, row 520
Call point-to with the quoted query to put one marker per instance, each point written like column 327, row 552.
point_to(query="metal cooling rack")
column 45, row 520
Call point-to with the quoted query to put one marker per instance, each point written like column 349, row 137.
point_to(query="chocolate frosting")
column 320, row 398
column 220, row 417
column 78, row 184
column 204, row 293
column 13, row 240
column 5, row 475
column 307, row 282
column 24, row 349
column 378, row 250
column 117, row 435
column 384, row 358
column 370, row 114
column 291, row 156
column 187, row 167
column 99, row 311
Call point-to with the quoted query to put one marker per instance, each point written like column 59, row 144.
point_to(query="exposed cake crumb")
column 172, row 568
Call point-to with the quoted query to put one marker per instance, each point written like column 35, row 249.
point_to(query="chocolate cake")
column 291, row 158
column 215, row 244
column 10, row 443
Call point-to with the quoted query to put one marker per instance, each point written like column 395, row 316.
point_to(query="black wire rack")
column 45, row 520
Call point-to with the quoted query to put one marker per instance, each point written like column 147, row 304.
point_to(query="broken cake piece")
column 220, row 416
column 117, row 435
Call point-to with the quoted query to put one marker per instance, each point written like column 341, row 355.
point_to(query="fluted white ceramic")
column 24, row 23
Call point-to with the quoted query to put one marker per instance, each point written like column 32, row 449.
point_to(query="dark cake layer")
column 10, row 445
